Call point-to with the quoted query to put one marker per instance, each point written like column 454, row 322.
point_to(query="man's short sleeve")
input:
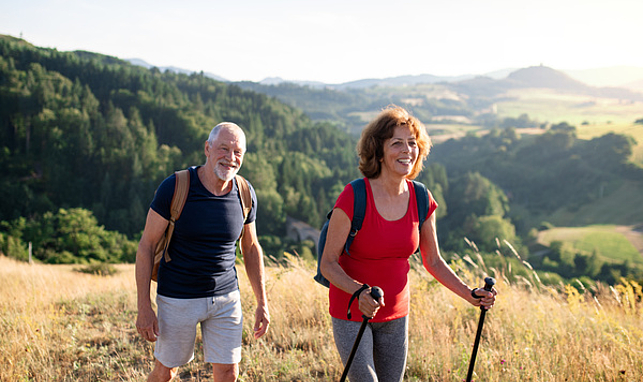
column 163, row 197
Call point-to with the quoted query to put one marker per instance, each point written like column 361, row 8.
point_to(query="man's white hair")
column 217, row 129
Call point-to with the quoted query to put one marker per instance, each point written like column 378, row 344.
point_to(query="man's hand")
column 262, row 321
column 147, row 324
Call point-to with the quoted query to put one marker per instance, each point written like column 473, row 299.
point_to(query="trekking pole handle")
column 489, row 282
column 377, row 293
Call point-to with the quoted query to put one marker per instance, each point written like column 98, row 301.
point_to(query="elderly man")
column 199, row 285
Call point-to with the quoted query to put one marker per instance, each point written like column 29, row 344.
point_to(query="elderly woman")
column 391, row 152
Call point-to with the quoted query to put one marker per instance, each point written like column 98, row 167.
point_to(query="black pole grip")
column 377, row 292
column 489, row 282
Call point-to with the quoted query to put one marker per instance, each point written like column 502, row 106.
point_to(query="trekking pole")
column 489, row 283
column 376, row 293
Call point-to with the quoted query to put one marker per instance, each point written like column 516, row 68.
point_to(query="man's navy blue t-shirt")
column 203, row 246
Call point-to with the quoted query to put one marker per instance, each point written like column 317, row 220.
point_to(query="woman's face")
column 400, row 152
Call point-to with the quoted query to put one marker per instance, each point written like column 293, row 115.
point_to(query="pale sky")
column 336, row 41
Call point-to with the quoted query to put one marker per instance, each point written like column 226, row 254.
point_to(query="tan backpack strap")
column 246, row 198
column 244, row 193
column 181, row 190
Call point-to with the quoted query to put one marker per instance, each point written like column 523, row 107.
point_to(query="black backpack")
column 359, row 210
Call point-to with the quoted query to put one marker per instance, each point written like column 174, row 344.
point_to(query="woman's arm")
column 338, row 229
column 435, row 264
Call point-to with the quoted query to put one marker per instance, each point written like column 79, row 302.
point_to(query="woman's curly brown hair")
column 370, row 147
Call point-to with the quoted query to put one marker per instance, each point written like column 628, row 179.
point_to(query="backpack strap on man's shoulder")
column 359, row 210
column 246, row 198
column 244, row 194
column 181, row 191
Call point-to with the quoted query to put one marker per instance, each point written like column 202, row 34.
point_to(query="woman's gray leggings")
column 381, row 355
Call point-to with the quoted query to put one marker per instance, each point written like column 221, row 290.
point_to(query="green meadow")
column 605, row 239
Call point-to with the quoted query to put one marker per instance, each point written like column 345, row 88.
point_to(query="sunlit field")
column 604, row 239
column 547, row 105
column 60, row 325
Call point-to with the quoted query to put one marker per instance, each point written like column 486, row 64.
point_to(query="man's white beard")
column 224, row 173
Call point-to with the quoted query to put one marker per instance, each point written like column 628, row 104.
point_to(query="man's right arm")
column 146, row 322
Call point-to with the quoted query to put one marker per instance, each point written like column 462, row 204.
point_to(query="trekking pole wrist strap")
column 354, row 296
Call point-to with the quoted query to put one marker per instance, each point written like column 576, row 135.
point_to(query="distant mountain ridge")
column 460, row 98
column 544, row 77
column 625, row 77
column 357, row 84
column 139, row 62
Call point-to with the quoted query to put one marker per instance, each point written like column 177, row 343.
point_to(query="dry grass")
column 60, row 325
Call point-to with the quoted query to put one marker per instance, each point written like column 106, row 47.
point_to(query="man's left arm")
column 253, row 260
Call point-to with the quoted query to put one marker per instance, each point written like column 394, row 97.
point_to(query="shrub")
column 100, row 269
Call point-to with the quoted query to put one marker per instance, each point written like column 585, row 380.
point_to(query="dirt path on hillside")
column 634, row 234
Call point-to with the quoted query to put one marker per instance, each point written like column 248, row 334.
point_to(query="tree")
column 610, row 150
column 69, row 236
column 473, row 194
column 487, row 231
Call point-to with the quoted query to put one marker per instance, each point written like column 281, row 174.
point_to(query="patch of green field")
column 546, row 105
column 610, row 244
column 440, row 132
column 365, row 116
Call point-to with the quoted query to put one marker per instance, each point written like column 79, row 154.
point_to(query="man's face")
column 225, row 155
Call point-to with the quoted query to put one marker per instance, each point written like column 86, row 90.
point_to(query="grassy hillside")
column 59, row 325
column 555, row 106
column 604, row 239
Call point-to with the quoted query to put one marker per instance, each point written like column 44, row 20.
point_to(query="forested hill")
column 78, row 129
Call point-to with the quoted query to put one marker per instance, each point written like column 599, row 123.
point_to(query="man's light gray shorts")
column 221, row 328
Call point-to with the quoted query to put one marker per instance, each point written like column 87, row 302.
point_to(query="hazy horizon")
column 335, row 41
